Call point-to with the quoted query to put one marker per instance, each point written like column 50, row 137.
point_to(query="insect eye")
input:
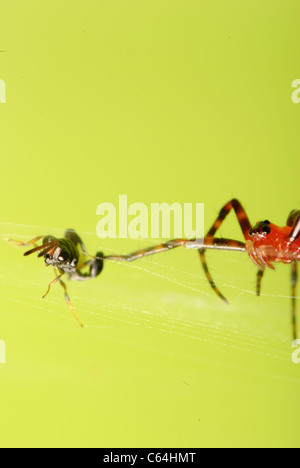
column 63, row 257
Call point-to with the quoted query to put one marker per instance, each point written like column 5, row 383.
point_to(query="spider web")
column 167, row 293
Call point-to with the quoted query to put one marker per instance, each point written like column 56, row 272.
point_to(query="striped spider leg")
column 266, row 243
column 294, row 222
column 245, row 226
column 207, row 243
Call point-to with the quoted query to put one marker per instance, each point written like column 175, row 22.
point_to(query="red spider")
column 266, row 243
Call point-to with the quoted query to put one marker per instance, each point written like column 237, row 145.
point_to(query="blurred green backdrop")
column 163, row 101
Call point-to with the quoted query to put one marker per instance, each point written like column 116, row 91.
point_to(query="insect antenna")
column 43, row 249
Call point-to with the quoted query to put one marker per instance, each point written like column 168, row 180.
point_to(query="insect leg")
column 19, row 243
column 67, row 298
column 53, row 282
column 96, row 265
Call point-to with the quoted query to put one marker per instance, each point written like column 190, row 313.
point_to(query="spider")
column 265, row 244
column 68, row 256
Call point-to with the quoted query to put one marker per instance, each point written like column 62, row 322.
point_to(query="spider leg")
column 244, row 224
column 214, row 243
column 260, row 274
column 209, row 277
column 240, row 214
column 219, row 244
column 208, row 243
column 294, row 284
column 172, row 244
column 294, row 222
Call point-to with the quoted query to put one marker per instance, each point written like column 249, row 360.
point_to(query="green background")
column 165, row 101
